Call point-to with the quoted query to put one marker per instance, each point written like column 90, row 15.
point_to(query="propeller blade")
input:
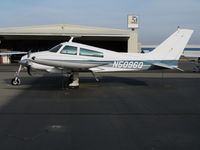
column 29, row 53
column 29, row 70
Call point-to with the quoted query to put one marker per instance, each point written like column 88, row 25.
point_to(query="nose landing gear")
column 16, row 81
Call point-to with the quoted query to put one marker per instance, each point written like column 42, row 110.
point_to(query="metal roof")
column 63, row 30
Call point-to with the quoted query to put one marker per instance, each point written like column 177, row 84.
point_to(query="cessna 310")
column 71, row 58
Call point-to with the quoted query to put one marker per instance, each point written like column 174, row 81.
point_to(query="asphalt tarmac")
column 151, row 110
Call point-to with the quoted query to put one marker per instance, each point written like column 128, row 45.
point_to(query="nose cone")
column 23, row 60
column 31, row 57
column 26, row 59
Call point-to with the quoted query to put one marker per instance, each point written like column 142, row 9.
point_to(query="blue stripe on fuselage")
column 111, row 62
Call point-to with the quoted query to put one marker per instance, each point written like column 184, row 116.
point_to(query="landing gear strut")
column 16, row 80
column 74, row 80
column 96, row 78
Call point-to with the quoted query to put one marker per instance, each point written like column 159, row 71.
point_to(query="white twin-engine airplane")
column 70, row 58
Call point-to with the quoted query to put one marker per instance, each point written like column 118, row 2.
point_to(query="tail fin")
column 172, row 48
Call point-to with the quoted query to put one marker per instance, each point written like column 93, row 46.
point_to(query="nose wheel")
column 15, row 81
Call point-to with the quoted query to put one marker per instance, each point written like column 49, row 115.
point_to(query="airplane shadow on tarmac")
column 60, row 82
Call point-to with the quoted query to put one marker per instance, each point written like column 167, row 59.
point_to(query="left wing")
column 69, row 64
column 11, row 53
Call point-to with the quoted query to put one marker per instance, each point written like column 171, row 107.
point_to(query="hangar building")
column 38, row 38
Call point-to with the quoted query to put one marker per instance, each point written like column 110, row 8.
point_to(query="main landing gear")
column 16, row 80
column 196, row 69
column 73, row 80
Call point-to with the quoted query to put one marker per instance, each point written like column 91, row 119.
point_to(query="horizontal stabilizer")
column 191, row 54
column 162, row 65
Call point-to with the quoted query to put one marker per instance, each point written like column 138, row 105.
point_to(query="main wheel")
column 194, row 69
column 15, row 81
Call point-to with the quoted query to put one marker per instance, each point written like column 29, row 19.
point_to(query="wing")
column 11, row 53
column 70, row 64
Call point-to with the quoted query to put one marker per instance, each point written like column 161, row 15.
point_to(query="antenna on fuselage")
column 71, row 39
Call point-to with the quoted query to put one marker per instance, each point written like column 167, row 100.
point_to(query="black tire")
column 15, row 81
column 194, row 70
column 73, row 87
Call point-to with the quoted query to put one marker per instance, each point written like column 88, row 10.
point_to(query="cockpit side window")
column 55, row 48
column 71, row 50
column 92, row 53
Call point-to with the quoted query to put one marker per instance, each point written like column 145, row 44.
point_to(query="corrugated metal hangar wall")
column 39, row 38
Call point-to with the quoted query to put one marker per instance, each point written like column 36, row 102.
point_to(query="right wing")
column 191, row 54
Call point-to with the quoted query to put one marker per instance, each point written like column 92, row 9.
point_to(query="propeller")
column 28, row 63
column 29, row 70
column 29, row 53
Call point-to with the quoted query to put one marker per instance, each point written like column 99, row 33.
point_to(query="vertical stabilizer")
column 172, row 47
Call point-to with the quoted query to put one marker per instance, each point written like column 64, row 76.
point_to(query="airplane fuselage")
column 48, row 60
column 102, row 60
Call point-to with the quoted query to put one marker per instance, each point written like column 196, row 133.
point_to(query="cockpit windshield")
column 55, row 48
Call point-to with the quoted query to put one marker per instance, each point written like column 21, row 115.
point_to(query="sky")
column 158, row 18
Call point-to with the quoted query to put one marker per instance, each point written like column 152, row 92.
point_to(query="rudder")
column 172, row 47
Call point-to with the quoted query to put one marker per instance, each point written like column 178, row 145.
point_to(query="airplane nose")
column 23, row 62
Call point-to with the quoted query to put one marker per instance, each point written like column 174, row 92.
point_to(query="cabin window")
column 71, row 50
column 55, row 48
column 92, row 53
